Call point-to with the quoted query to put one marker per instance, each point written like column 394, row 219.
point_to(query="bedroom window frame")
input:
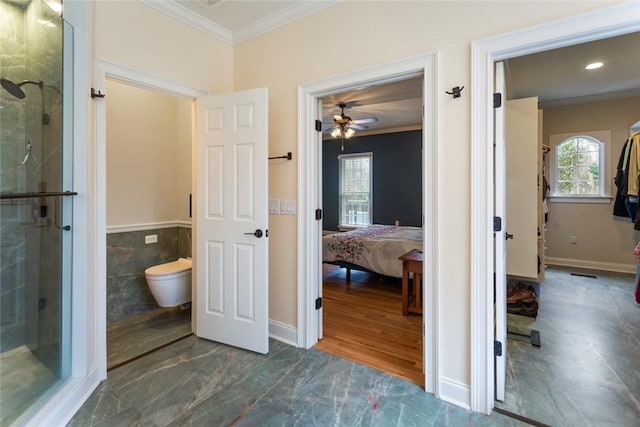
column 342, row 158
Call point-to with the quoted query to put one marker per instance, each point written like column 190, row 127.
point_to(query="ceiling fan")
column 344, row 127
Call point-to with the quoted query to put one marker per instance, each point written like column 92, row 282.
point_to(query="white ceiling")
column 397, row 106
column 557, row 76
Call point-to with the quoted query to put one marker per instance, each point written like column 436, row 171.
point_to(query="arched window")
column 579, row 168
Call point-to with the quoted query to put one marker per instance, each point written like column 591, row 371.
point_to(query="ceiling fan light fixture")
column 336, row 132
column 594, row 66
column 349, row 133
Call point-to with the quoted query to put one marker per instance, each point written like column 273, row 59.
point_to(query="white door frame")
column 499, row 241
column 603, row 23
column 310, row 198
column 103, row 69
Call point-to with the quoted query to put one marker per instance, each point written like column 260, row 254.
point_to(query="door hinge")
column 318, row 303
column 497, row 348
column 497, row 100
column 318, row 125
column 497, row 223
column 318, row 214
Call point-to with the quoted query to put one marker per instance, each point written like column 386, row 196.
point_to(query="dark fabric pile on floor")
column 522, row 299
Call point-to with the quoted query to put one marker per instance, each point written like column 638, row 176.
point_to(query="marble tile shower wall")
column 44, row 129
column 12, row 134
column 30, row 51
column 128, row 256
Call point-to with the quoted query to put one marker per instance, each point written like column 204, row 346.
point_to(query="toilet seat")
column 170, row 268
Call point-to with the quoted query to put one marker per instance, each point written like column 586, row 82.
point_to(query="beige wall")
column 601, row 237
column 353, row 35
column 131, row 34
column 148, row 156
column 345, row 37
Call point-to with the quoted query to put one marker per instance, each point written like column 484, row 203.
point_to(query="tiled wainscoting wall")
column 127, row 258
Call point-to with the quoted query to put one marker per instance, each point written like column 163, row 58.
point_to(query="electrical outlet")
column 573, row 240
column 152, row 238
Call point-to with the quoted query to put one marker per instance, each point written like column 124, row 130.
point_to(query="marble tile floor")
column 131, row 337
column 587, row 370
column 23, row 379
column 197, row 382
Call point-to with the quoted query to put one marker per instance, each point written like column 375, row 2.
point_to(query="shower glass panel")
column 35, row 207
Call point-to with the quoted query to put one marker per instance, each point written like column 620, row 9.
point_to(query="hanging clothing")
column 634, row 165
column 638, row 283
column 619, row 208
column 636, row 253
column 627, row 181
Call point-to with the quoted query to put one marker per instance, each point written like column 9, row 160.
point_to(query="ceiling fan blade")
column 366, row 120
column 357, row 126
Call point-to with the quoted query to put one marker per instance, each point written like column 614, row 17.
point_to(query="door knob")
column 257, row 233
column 508, row 236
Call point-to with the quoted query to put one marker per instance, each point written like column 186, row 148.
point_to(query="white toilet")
column 170, row 283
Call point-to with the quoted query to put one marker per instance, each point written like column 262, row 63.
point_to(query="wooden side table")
column 412, row 263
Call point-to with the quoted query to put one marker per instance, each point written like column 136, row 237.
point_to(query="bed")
column 375, row 248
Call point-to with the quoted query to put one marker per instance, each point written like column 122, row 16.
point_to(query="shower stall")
column 35, row 206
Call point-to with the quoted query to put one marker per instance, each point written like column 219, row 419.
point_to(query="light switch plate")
column 274, row 206
column 287, row 207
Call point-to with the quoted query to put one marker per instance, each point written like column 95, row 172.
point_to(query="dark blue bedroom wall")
column 397, row 177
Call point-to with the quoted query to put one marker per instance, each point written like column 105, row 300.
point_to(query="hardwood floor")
column 363, row 322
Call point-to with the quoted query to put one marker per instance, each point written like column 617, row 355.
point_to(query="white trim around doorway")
column 310, row 198
column 599, row 24
column 104, row 69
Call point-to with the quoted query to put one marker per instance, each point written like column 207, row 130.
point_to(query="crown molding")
column 191, row 18
column 269, row 23
column 590, row 98
column 286, row 16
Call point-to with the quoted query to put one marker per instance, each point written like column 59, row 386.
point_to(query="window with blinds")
column 356, row 176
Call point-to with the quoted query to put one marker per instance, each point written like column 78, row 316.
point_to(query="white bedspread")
column 376, row 247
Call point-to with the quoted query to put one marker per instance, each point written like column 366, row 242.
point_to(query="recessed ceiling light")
column 594, row 66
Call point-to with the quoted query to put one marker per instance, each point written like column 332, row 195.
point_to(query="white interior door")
column 231, row 220
column 521, row 140
column 500, row 305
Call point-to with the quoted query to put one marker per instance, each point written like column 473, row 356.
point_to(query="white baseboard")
column 592, row 265
column 146, row 226
column 455, row 392
column 283, row 332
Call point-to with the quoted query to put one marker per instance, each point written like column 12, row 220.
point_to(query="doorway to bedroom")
column 371, row 179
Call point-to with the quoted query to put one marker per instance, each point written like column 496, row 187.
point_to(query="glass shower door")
column 35, row 210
